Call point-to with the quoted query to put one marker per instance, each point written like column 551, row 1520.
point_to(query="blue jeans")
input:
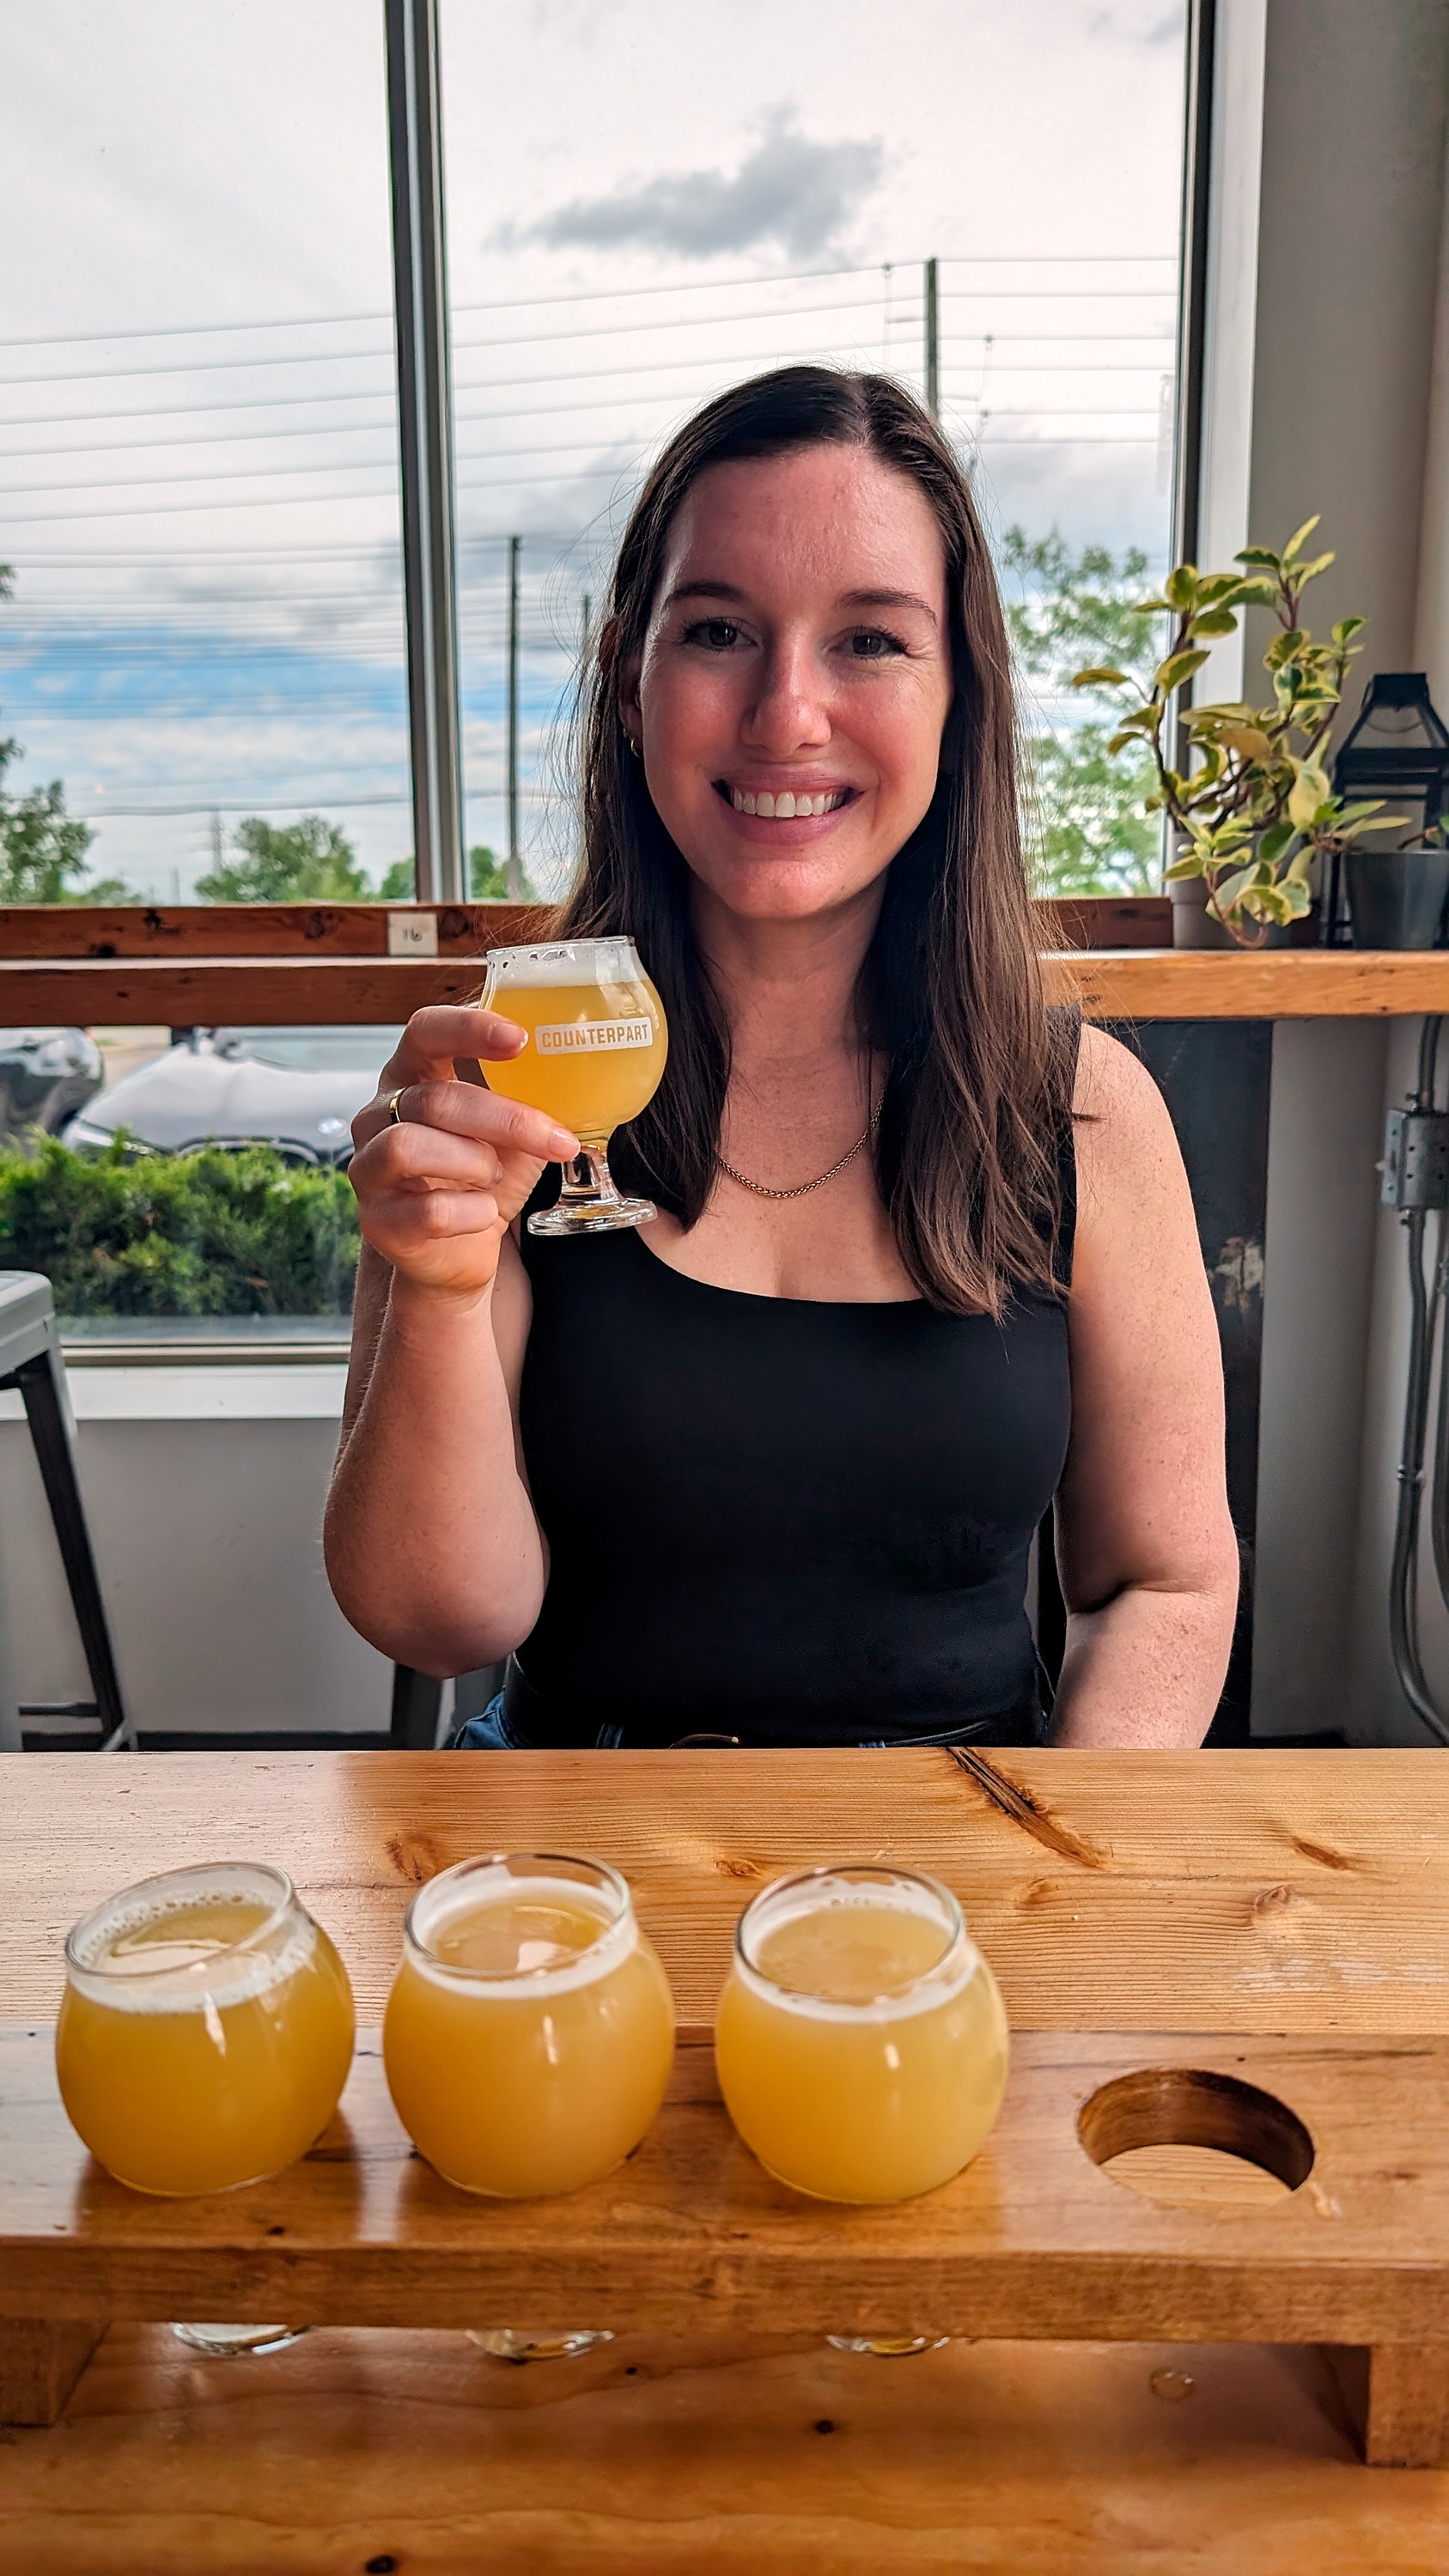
column 491, row 1733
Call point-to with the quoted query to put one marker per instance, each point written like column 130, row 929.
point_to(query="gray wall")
column 1324, row 1138
column 204, row 1491
column 1324, row 280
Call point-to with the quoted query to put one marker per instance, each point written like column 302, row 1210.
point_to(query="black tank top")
column 778, row 1520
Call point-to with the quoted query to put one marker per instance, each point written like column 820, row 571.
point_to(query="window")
column 203, row 643
column 201, row 651
column 202, row 691
column 673, row 201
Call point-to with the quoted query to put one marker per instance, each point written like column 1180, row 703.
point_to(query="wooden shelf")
column 1271, row 984
column 230, row 992
column 211, row 965
column 170, row 933
column 191, row 991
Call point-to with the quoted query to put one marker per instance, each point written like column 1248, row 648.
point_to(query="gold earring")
column 637, row 748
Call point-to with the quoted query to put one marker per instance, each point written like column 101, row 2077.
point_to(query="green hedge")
column 211, row 1233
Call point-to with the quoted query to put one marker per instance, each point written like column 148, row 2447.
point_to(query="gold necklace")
column 805, row 1187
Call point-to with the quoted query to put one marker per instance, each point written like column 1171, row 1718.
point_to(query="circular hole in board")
column 1189, row 2138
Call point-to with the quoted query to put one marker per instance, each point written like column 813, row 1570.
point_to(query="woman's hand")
column 438, row 1188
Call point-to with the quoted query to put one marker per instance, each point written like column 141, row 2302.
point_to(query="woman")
column 768, row 1470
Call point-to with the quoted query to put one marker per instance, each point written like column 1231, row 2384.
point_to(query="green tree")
column 307, row 862
column 487, row 879
column 42, row 848
column 1087, row 831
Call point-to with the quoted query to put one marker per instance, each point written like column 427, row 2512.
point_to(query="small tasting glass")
column 593, row 1056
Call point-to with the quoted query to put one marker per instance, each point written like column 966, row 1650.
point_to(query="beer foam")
column 565, row 961
column 431, row 1913
column 227, row 1976
column 940, row 1983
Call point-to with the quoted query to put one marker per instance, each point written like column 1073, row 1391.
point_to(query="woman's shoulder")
column 1129, row 1165
column 1114, row 1090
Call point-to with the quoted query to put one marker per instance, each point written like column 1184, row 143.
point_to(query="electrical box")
column 1415, row 1167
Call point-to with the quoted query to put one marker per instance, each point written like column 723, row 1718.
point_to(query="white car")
column 46, row 1075
column 296, row 1089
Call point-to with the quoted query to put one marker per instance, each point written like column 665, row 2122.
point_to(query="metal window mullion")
column 1192, row 303
column 425, row 444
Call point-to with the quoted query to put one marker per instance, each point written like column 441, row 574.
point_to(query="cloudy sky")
column 199, row 481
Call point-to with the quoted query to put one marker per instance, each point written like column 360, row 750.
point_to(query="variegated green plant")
column 1254, row 807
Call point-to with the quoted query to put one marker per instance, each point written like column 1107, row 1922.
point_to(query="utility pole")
column 933, row 340
column 425, row 444
column 216, row 841
column 586, row 634
column 514, row 876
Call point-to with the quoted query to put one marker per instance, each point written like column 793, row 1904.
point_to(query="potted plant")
column 1396, row 898
column 1254, row 809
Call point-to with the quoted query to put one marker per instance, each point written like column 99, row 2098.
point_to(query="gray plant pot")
column 1194, row 927
column 1396, row 898
column 1191, row 924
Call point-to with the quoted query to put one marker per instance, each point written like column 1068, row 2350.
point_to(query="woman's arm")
column 1145, row 1545
column 433, row 1550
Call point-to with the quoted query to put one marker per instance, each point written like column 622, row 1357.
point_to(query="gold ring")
column 393, row 1118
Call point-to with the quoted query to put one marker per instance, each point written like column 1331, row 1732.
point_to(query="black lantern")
column 1396, row 748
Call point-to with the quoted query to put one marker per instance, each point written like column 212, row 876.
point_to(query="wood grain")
column 246, row 992
column 179, row 931
column 718, row 2456
column 1034, row 2240
column 161, row 933
column 1125, row 984
column 1271, row 984
column 40, row 2361
column 1233, row 1891
column 1408, row 2405
column 1305, row 1893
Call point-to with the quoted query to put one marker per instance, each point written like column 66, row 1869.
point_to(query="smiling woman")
column 767, row 1468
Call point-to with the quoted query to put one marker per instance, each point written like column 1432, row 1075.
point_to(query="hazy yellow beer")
column 530, row 2029
column 206, row 2030
column 861, row 2038
column 595, row 1051
column 594, row 1056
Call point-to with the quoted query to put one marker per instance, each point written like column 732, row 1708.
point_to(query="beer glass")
column 595, row 1050
column 204, row 2039
column 530, row 2029
column 861, row 2038
column 206, row 2029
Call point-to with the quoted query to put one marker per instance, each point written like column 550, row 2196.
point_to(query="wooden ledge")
column 1263, row 984
column 1111, row 984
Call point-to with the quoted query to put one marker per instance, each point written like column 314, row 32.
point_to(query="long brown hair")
column 978, row 1092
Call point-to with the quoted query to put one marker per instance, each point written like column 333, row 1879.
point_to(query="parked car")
column 297, row 1089
column 46, row 1075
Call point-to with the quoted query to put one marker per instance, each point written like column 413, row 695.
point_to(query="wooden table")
column 1292, row 1906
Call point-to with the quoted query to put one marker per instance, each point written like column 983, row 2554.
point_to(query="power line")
column 599, row 295
column 475, row 456
column 517, row 340
column 375, row 429
column 588, row 331
column 496, row 483
column 510, row 384
column 1079, row 338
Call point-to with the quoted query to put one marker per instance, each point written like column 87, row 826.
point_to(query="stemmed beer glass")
column 595, row 1050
